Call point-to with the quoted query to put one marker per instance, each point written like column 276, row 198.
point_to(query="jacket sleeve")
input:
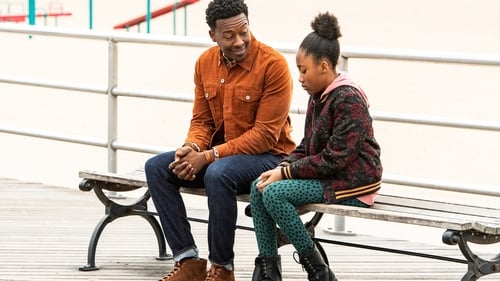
column 202, row 124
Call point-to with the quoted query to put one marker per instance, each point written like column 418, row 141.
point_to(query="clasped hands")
column 187, row 163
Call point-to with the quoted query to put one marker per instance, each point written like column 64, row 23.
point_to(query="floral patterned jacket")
column 339, row 147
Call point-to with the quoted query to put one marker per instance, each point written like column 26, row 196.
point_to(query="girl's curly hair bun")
column 326, row 25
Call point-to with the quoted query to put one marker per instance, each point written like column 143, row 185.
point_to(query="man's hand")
column 187, row 163
column 180, row 166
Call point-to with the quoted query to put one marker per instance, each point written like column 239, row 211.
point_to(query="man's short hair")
column 223, row 9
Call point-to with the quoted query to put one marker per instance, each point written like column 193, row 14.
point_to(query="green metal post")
column 91, row 14
column 31, row 12
column 175, row 17
column 148, row 16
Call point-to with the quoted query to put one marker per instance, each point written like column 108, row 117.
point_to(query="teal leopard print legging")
column 276, row 206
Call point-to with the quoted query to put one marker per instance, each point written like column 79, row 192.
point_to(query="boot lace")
column 174, row 271
column 306, row 265
column 263, row 268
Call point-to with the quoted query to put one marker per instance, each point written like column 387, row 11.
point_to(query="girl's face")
column 313, row 76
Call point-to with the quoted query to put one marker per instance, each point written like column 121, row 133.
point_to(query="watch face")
column 216, row 153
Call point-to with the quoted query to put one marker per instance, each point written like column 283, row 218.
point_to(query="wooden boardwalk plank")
column 45, row 230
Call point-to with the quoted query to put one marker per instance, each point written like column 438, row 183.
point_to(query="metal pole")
column 91, row 14
column 148, row 16
column 339, row 221
column 31, row 12
column 112, row 111
column 112, row 103
column 185, row 20
column 175, row 17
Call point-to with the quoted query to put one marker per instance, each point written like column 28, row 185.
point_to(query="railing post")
column 91, row 14
column 112, row 104
column 185, row 20
column 148, row 16
column 31, row 12
column 339, row 221
column 342, row 64
column 174, row 18
column 112, row 111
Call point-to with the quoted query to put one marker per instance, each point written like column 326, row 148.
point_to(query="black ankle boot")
column 267, row 269
column 316, row 267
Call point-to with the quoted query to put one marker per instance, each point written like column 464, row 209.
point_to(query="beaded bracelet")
column 208, row 156
column 192, row 145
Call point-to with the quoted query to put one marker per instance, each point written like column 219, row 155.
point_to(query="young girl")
column 337, row 161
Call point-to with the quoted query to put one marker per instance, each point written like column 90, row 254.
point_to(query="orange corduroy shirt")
column 244, row 109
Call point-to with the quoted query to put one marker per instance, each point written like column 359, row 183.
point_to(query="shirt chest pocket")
column 245, row 103
column 214, row 103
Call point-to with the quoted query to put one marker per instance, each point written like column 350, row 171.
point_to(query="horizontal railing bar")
column 437, row 121
column 175, row 96
column 441, row 185
column 347, row 51
column 149, row 94
column 138, row 147
column 101, row 142
column 301, row 109
column 52, row 84
column 55, row 31
column 421, row 55
column 296, row 109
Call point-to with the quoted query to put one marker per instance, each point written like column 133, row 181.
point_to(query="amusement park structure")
column 151, row 15
column 55, row 10
column 16, row 13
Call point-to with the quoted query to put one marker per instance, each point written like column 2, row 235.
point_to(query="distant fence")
column 113, row 90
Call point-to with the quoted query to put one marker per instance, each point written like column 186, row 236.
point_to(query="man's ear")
column 211, row 33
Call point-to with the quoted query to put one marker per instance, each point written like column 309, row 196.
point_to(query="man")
column 240, row 128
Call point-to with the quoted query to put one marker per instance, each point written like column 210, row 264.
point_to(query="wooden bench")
column 462, row 224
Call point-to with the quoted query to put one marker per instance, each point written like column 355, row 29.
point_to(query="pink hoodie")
column 343, row 80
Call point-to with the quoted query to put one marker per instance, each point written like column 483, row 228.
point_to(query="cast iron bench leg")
column 162, row 246
column 113, row 211
column 93, row 243
column 476, row 266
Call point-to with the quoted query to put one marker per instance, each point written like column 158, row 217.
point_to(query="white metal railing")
column 113, row 91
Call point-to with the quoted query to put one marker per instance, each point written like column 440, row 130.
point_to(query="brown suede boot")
column 188, row 270
column 219, row 273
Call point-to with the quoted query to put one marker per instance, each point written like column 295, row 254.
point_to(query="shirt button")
column 247, row 97
column 206, row 95
column 222, row 81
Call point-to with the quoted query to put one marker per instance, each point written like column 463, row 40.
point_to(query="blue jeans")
column 223, row 180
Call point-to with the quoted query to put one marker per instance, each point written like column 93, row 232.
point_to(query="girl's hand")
column 267, row 178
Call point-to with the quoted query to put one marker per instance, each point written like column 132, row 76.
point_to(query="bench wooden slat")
column 389, row 208
column 403, row 216
column 137, row 179
column 454, row 208
column 133, row 179
column 438, row 214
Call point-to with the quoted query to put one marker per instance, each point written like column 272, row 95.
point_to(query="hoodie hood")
column 343, row 80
